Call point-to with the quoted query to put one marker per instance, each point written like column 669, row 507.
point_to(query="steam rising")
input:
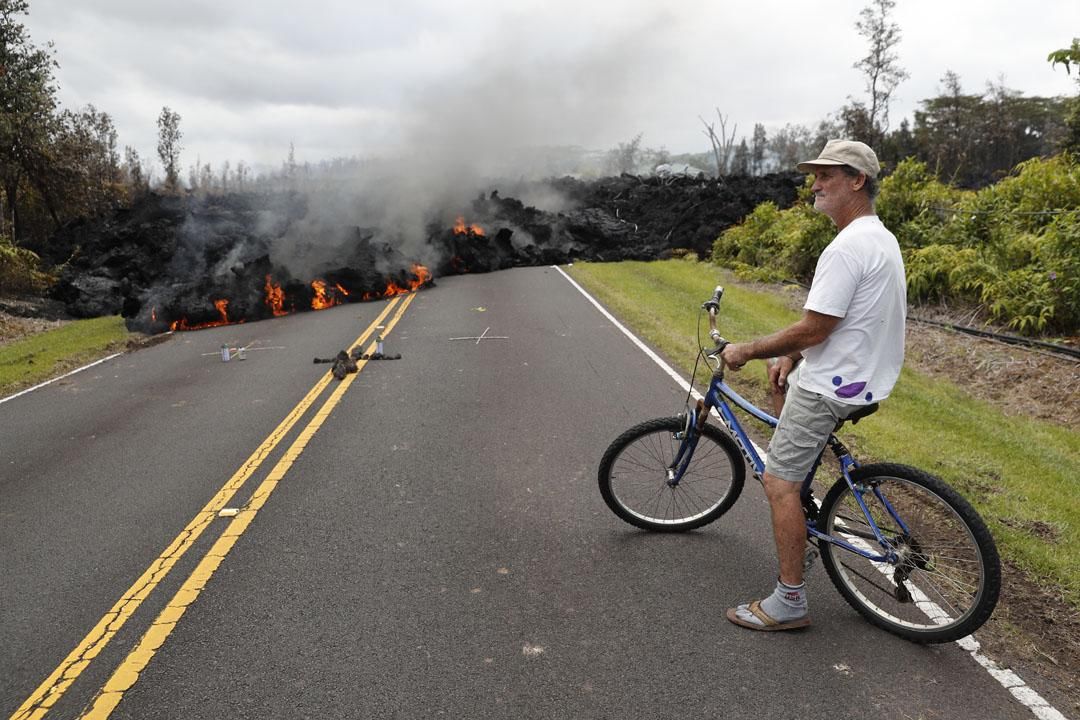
column 497, row 123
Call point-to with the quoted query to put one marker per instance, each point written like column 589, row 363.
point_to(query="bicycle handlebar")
column 712, row 306
column 713, row 303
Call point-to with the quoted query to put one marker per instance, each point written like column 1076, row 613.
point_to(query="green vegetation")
column 19, row 269
column 1069, row 57
column 47, row 354
column 1012, row 247
column 1019, row 473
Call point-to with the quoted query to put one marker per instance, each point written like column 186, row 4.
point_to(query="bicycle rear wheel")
column 633, row 477
column 945, row 582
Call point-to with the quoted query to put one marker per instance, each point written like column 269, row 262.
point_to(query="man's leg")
column 789, row 523
column 789, row 527
column 786, row 607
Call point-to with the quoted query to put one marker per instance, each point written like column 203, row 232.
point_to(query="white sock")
column 787, row 602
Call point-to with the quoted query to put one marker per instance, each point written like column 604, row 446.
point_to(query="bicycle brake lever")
column 721, row 343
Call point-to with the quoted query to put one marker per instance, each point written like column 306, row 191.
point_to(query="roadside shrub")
column 772, row 245
column 938, row 272
column 1014, row 247
column 915, row 205
column 1059, row 257
column 751, row 242
column 1039, row 188
column 1023, row 298
column 19, row 269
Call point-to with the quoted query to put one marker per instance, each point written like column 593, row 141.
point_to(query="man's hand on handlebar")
column 736, row 355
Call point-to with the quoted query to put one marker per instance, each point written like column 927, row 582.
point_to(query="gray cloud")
column 474, row 77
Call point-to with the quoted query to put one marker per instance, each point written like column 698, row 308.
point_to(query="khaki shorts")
column 806, row 422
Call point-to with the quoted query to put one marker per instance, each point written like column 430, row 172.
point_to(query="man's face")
column 833, row 189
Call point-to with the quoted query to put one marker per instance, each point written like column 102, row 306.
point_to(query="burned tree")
column 722, row 144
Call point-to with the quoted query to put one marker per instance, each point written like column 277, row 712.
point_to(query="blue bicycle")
column 902, row 547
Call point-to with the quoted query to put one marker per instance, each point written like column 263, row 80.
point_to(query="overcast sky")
column 358, row 77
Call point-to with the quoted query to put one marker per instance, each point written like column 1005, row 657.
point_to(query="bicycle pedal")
column 810, row 557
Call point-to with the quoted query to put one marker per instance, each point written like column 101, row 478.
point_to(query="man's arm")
column 812, row 329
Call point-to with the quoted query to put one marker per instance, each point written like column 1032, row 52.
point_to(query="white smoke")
column 510, row 116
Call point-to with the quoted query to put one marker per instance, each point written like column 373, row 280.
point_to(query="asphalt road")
column 438, row 548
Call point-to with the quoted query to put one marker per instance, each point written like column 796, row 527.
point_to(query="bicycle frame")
column 716, row 399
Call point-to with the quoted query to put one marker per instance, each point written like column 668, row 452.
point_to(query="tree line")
column 969, row 139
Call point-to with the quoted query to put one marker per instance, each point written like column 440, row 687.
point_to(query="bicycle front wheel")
column 634, row 480
column 945, row 579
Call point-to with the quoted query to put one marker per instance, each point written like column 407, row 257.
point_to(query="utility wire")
column 959, row 211
column 1070, row 352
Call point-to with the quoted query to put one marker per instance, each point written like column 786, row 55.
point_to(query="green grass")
column 47, row 354
column 1022, row 475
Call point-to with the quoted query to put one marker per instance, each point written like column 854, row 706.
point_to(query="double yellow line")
column 106, row 700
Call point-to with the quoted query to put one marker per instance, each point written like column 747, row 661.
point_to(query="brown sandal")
column 768, row 624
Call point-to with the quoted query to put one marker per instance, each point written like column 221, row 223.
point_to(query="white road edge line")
column 49, row 382
column 1009, row 680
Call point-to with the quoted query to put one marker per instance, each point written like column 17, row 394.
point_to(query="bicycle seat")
column 859, row 414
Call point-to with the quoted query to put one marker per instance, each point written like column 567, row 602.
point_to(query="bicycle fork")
column 905, row 559
column 689, row 436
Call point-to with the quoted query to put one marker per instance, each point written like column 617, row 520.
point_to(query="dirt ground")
column 1021, row 381
column 1034, row 630
column 19, row 318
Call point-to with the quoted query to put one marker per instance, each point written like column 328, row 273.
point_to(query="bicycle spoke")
column 638, row 476
column 937, row 559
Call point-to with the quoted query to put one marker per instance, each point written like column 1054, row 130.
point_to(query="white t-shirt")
column 860, row 279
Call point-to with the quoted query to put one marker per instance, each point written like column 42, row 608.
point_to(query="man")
column 851, row 343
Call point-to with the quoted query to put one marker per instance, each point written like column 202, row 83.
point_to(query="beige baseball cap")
column 845, row 152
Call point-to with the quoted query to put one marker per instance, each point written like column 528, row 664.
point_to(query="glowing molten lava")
column 275, row 298
column 222, row 306
column 324, row 298
column 421, row 276
column 461, row 229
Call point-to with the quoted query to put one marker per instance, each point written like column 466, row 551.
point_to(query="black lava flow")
column 165, row 261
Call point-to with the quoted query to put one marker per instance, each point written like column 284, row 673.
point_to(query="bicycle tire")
column 633, row 477
column 947, row 564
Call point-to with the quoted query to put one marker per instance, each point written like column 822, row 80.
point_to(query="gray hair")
column 870, row 187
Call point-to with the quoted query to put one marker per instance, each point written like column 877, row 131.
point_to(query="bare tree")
column 880, row 68
column 722, row 144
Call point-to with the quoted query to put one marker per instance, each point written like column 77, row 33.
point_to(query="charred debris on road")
column 185, row 262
